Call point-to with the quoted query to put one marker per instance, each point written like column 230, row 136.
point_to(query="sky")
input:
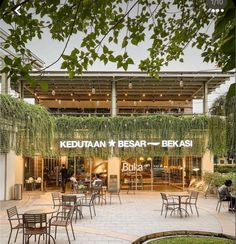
column 49, row 50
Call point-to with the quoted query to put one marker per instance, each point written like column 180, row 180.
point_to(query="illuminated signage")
column 125, row 143
column 131, row 167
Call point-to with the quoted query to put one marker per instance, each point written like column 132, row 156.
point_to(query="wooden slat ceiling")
column 143, row 87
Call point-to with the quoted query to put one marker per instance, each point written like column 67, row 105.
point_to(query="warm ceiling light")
column 140, row 100
column 160, row 95
column 71, row 94
column 179, row 94
column 195, row 97
column 126, row 94
column 144, row 94
column 108, row 94
column 141, row 158
column 93, row 90
column 59, row 101
column 181, row 83
column 56, row 99
column 149, row 159
column 123, row 100
column 186, row 101
column 107, row 100
column 90, row 100
column 130, row 85
column 89, row 94
column 53, row 92
column 170, row 101
column 35, row 94
column 73, row 99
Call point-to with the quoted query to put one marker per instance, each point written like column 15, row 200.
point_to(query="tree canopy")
column 169, row 26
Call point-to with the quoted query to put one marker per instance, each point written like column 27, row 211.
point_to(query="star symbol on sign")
column 111, row 143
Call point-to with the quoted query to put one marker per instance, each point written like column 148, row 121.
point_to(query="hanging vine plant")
column 30, row 129
column 25, row 128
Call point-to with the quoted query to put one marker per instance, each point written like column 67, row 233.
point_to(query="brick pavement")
column 138, row 215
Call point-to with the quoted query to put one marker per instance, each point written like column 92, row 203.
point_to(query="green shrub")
column 216, row 179
column 225, row 168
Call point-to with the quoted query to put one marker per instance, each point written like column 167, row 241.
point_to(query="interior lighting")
column 123, row 100
column 179, row 94
column 140, row 100
column 35, row 94
column 141, row 158
column 107, row 100
column 149, row 159
column 90, row 100
column 93, row 90
column 186, row 101
column 195, row 97
column 126, row 94
column 59, row 101
column 53, row 92
column 56, row 99
column 144, row 94
column 73, row 99
column 72, row 94
column 108, row 94
column 130, row 85
column 181, row 83
column 160, row 95
column 89, row 94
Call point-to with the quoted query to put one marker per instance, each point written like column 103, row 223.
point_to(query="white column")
column 114, row 168
column 205, row 98
column 3, row 158
column 113, row 98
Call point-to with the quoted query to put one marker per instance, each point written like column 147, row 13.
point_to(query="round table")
column 41, row 211
column 179, row 208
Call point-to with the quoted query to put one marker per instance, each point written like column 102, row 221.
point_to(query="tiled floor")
column 138, row 215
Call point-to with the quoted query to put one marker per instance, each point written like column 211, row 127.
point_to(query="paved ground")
column 138, row 215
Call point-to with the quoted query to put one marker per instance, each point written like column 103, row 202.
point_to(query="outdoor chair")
column 62, row 220
column 220, row 201
column 114, row 191
column 168, row 202
column 100, row 192
column 90, row 204
column 33, row 225
column 15, row 221
column 69, row 202
column 191, row 200
column 56, row 199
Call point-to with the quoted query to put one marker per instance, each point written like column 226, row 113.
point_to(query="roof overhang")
column 144, row 87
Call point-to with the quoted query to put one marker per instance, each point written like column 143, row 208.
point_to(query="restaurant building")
column 138, row 128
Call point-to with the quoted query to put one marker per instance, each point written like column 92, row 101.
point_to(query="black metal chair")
column 56, row 199
column 191, row 200
column 99, row 191
column 90, row 204
column 222, row 200
column 33, row 225
column 168, row 202
column 15, row 221
column 69, row 202
column 62, row 220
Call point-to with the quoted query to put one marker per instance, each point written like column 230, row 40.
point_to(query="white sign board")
column 125, row 143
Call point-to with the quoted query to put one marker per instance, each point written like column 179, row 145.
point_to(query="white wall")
column 2, row 177
column 114, row 168
column 19, row 170
column 207, row 162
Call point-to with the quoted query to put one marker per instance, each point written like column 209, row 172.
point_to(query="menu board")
column 113, row 183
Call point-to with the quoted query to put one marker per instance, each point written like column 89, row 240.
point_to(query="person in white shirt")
column 96, row 181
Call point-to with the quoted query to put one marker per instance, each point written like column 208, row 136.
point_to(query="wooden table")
column 179, row 208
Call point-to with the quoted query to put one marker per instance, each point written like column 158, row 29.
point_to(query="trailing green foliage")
column 206, row 132
column 30, row 129
column 225, row 168
column 216, row 179
column 25, row 128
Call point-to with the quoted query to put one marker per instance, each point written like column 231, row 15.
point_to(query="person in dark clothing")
column 225, row 195
column 45, row 178
column 63, row 172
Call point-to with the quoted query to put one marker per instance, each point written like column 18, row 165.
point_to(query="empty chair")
column 70, row 201
column 90, row 204
column 15, row 221
column 33, row 225
column 114, row 191
column 62, row 220
column 168, row 203
column 56, row 199
column 191, row 200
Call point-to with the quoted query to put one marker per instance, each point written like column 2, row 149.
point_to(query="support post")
column 113, row 98
column 21, row 89
column 205, row 98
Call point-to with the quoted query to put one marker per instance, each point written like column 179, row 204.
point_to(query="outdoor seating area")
column 53, row 216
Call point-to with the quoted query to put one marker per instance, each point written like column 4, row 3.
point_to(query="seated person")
column 225, row 195
column 97, row 181
column 74, row 182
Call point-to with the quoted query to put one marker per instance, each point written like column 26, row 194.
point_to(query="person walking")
column 63, row 172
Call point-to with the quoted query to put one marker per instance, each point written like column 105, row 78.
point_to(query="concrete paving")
column 138, row 215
